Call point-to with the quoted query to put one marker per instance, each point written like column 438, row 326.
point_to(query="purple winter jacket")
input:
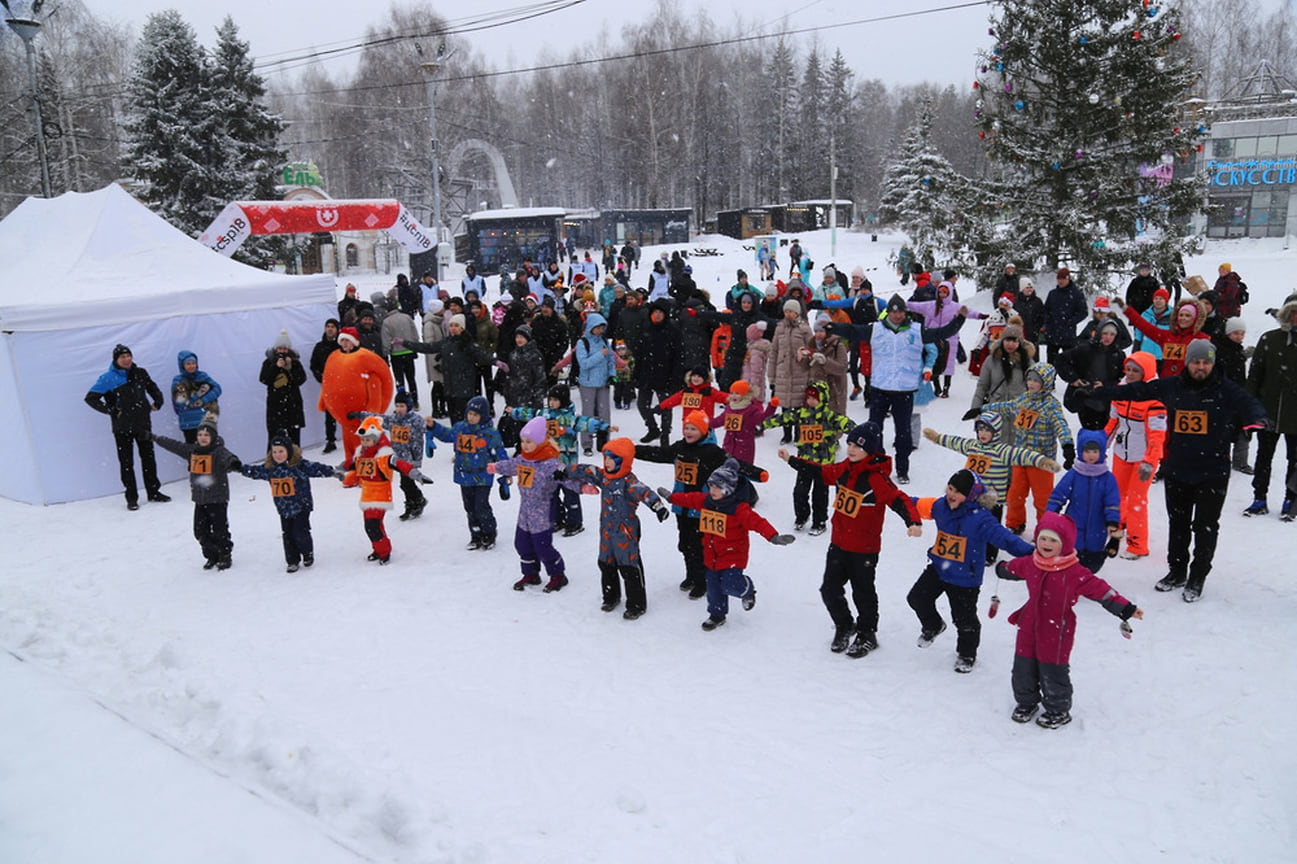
column 536, row 485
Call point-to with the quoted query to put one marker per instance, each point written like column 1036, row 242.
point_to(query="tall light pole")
column 22, row 20
column 430, row 67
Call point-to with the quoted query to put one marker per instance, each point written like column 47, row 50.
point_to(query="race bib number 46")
column 711, row 522
column 1026, row 419
column 1190, row 422
column 399, row 434
column 951, row 547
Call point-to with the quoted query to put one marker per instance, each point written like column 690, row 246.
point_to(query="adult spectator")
column 471, row 281
column 789, row 370
column 897, row 341
column 283, row 374
column 1204, row 411
column 594, row 355
column 194, row 395
column 319, row 356
column 1186, row 327
column 347, row 313
column 628, row 322
column 1065, row 307
column 1272, row 378
column 1098, row 360
column 524, row 382
column 936, row 314
column 461, row 358
column 1031, row 309
column 434, row 330
column 127, row 394
column 1139, row 293
column 409, row 298
column 399, row 323
column 1007, row 283
column 550, row 330
column 1231, row 293
column 1158, row 314
column 658, row 369
column 659, row 280
column 367, row 328
column 1004, row 372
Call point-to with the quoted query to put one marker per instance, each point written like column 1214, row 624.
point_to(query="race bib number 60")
column 848, row 501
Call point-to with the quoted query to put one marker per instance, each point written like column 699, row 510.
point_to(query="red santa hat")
column 349, row 334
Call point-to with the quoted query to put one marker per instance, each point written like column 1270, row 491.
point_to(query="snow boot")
column 1053, row 720
column 209, row 564
column 965, row 664
column 1170, row 582
column 865, row 642
column 841, row 639
column 224, row 562
column 632, row 614
column 488, row 542
column 698, row 591
column 609, row 605
column 1024, row 713
column 817, row 529
column 573, row 530
column 292, row 568
column 525, row 581
column 1257, row 508
column 474, row 543
column 329, row 447
column 159, row 497
column 1192, row 593
column 308, row 559
column 712, row 623
column 749, row 600
column 686, row 584
column 926, row 636
column 1287, row 514
column 555, row 583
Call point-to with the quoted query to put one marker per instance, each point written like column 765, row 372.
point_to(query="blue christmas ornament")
column 1057, row 167
column 927, row 181
column 999, row 67
column 1084, row 40
column 1152, row 11
column 1019, row 105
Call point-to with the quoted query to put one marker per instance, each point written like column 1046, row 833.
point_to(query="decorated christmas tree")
column 1082, row 109
column 922, row 193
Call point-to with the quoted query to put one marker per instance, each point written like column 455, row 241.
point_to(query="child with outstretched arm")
column 372, row 470
column 1047, row 624
column 818, row 429
column 1088, row 494
column 408, row 432
column 290, row 486
column 477, row 442
column 741, row 419
column 209, row 487
column 724, row 520
column 864, row 488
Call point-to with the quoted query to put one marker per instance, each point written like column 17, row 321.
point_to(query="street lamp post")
column 22, row 20
column 430, row 67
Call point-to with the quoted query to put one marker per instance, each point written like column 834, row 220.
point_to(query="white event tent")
column 85, row 271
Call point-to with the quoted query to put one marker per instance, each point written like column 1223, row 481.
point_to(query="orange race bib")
column 366, row 469
column 711, row 522
column 1190, row 423
column 733, row 422
column 951, row 547
column 687, row 473
column 691, row 400
column 399, row 434
column 813, row 434
column 978, row 463
column 1026, row 419
column 526, row 476
column 1174, row 351
column 282, row 487
column 200, row 463
column 553, row 429
column 466, row 443
column 848, row 501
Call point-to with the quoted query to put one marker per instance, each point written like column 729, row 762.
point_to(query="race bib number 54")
column 951, row 547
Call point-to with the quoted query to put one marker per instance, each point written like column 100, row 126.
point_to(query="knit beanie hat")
column 524, row 331
column 963, row 481
column 281, row 439
column 535, row 430
column 1011, row 331
column 282, row 341
column 740, row 388
column 896, row 304
column 698, row 420
column 404, row 398
column 1235, row 325
column 456, row 320
column 622, row 453
column 1109, row 324
column 119, row 350
column 1163, row 293
column 435, row 306
column 1199, row 349
column 822, row 321
column 771, row 291
column 726, row 477
column 867, row 436
column 792, row 306
column 349, row 334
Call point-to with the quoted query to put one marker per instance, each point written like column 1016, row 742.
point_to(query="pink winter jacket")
column 754, row 362
column 740, row 425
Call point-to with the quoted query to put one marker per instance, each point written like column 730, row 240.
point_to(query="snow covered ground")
column 424, row 712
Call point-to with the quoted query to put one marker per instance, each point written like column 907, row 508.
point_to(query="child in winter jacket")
column 290, row 485
column 372, row 470
column 695, row 456
column 1186, row 325
column 1046, row 623
column 864, row 489
column 742, row 420
column 724, row 520
column 562, row 427
column 992, row 460
column 956, row 560
column 408, row 431
column 623, row 389
column 620, row 492
column 209, row 487
column 476, row 443
column 1089, row 494
column 536, row 468
column 755, row 360
column 1137, row 432
column 818, row 430
column 697, row 395
column 193, row 395
column 1039, row 424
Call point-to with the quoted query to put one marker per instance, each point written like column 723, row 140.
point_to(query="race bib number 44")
column 711, row 522
column 1190, row 423
column 466, row 443
column 951, row 547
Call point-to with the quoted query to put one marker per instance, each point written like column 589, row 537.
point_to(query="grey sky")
column 938, row 47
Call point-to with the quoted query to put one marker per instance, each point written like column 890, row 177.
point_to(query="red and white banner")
column 242, row 219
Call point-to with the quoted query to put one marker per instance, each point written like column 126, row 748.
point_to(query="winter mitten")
column 782, row 539
column 416, row 475
column 1002, row 570
column 1145, row 472
column 1069, row 455
column 339, row 474
column 504, row 489
column 661, row 511
column 818, row 358
column 560, row 474
column 931, row 434
column 502, row 366
column 774, row 401
column 664, row 492
column 1126, row 629
column 927, row 374
column 972, row 413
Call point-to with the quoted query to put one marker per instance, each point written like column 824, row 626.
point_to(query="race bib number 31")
column 1190, row 423
column 951, row 547
column 711, row 522
column 1026, row 419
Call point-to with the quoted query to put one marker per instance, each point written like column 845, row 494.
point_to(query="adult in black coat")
column 371, row 336
column 631, row 321
column 319, row 356
column 1008, row 283
column 696, row 333
column 409, row 298
column 1065, row 307
column 1100, row 360
column 747, row 314
column 550, row 330
column 128, row 395
column 1205, row 411
column 658, row 369
column 1139, row 293
column 461, row 358
column 347, row 312
column 283, row 374
column 1031, row 309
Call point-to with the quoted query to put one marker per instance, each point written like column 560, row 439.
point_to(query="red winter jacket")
column 704, row 399
column 1175, row 340
column 725, row 535
column 864, row 489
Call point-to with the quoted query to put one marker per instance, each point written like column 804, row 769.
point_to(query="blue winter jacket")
column 597, row 368
column 1091, row 499
column 192, row 395
column 290, row 481
column 475, row 446
column 962, row 563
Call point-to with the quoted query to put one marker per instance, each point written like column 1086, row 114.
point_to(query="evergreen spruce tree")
column 173, row 137
column 811, row 165
column 251, row 156
column 781, row 139
column 922, row 194
column 1082, row 112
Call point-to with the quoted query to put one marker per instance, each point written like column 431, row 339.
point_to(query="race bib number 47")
column 526, row 476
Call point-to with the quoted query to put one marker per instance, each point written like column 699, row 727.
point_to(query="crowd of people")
column 1166, row 389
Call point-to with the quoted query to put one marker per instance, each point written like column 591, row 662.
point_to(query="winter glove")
column 339, row 474
column 972, row 414
column 1002, row 570
column 782, row 539
column 1069, row 455
column 664, row 492
column 1145, row 472
column 236, row 464
column 931, row 435
column 660, row 510
column 589, row 489
column 502, row 366
column 560, row 474
column 815, row 304
column 818, row 358
column 354, row 415
column 774, row 401
column 504, row 488
column 415, row 474
column 763, row 476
